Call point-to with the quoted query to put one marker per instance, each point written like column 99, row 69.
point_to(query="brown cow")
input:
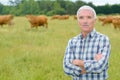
column 6, row 19
column 101, row 19
column 55, row 17
column 63, row 17
column 116, row 23
column 37, row 21
column 106, row 20
column 75, row 17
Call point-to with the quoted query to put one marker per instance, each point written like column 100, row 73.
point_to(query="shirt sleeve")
column 94, row 66
column 68, row 67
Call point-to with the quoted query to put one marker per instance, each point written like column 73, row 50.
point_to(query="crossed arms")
column 76, row 67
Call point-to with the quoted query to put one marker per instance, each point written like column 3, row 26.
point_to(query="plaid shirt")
column 86, row 49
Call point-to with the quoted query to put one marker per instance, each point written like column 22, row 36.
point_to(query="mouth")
column 85, row 25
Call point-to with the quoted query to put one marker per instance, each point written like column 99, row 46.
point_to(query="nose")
column 85, row 21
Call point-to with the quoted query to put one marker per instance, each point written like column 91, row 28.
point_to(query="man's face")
column 86, row 20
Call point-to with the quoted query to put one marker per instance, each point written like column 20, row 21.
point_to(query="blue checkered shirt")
column 85, row 49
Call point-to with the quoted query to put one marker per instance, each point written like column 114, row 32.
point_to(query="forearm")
column 100, row 62
column 71, row 69
column 79, row 63
column 96, row 66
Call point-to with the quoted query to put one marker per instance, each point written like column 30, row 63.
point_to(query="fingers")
column 98, row 56
column 78, row 62
column 75, row 62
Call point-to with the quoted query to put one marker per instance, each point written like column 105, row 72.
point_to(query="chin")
column 86, row 30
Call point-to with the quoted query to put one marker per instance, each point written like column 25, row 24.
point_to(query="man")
column 87, row 54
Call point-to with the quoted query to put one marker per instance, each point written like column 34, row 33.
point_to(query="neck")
column 84, row 34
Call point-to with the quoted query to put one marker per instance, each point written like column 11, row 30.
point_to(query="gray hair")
column 88, row 8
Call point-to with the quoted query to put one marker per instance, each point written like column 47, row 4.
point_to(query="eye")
column 89, row 17
column 81, row 17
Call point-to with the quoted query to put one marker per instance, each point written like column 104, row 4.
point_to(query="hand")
column 98, row 56
column 78, row 62
column 83, row 70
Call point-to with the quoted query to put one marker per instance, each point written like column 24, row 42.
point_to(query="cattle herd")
column 42, row 20
column 115, row 20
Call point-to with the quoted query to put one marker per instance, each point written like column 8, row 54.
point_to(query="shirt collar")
column 91, row 34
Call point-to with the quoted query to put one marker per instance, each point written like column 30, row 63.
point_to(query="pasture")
column 37, row 54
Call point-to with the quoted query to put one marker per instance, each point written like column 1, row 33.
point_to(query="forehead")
column 86, row 12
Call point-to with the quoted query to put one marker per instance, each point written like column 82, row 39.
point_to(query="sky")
column 4, row 2
column 95, row 2
column 103, row 2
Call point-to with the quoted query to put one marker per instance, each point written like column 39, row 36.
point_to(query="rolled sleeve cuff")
column 72, row 70
column 77, row 70
column 88, row 66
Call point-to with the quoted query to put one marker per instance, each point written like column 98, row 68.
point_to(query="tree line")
column 53, row 7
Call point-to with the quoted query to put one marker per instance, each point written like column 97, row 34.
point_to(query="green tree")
column 27, row 7
column 70, row 7
column 78, row 4
column 52, row 7
column 1, row 8
column 115, row 8
column 57, row 8
column 45, row 6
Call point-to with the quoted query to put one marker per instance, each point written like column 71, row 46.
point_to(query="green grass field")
column 37, row 54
